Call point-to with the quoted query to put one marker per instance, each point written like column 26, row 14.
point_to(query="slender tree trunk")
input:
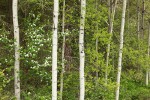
column 63, row 52
column 112, row 16
column 138, row 19
column 108, row 46
column 147, row 71
column 128, row 15
column 112, row 10
column 17, row 46
column 138, row 27
column 143, row 11
column 149, row 75
column 121, row 48
column 54, row 50
column 81, row 49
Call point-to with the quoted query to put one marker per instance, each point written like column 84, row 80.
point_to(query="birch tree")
column 111, row 15
column 17, row 53
column 147, row 71
column 81, row 49
column 138, row 19
column 63, row 52
column 143, row 12
column 121, row 48
column 54, row 50
column 128, row 7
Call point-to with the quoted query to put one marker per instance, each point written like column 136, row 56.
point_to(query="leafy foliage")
column 35, row 23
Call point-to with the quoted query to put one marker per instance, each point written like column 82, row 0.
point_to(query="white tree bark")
column 112, row 10
column 81, row 49
column 54, row 50
column 147, row 71
column 17, row 46
column 147, row 77
column 121, row 48
column 63, row 52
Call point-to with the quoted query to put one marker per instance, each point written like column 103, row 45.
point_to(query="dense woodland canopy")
column 92, row 27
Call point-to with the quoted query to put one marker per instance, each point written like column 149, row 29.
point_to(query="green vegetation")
column 35, row 23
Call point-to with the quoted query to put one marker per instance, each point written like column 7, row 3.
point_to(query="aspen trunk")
column 143, row 11
column 63, row 52
column 128, row 15
column 147, row 71
column 147, row 77
column 81, row 49
column 121, row 48
column 17, row 52
column 54, row 50
column 111, row 15
column 138, row 20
